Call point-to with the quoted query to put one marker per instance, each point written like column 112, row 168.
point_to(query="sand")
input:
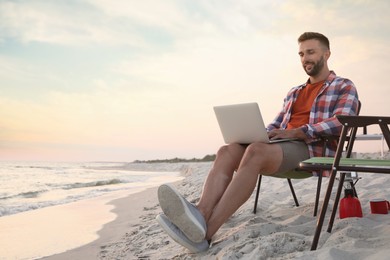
column 279, row 230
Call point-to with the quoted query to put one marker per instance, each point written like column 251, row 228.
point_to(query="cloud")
column 162, row 14
column 63, row 23
column 136, row 23
column 141, row 24
column 337, row 18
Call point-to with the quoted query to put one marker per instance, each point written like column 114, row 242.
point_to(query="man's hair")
column 314, row 35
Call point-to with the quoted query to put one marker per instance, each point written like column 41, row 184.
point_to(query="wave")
column 78, row 185
column 4, row 211
column 34, row 167
column 27, row 195
column 26, row 205
column 31, row 194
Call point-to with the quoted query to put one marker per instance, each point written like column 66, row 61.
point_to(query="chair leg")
column 354, row 190
column 320, row 220
column 257, row 193
column 319, row 183
column 336, row 202
column 293, row 192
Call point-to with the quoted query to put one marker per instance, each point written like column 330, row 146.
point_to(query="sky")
column 124, row 80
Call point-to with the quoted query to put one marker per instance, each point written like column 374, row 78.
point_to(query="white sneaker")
column 183, row 214
column 176, row 234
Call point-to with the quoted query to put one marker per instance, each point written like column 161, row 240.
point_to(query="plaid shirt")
column 338, row 96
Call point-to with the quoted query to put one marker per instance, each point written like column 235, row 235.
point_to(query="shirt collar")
column 329, row 79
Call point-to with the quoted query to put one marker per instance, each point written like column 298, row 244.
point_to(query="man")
column 308, row 113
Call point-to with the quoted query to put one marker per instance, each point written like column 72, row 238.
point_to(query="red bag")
column 350, row 206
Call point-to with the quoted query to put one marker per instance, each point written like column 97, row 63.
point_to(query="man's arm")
column 346, row 104
column 280, row 117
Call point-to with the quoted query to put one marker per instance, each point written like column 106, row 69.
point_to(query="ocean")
column 26, row 186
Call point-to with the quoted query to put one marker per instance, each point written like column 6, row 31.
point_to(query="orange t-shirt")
column 301, row 107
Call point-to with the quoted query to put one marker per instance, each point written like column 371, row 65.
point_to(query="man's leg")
column 227, row 161
column 190, row 220
column 258, row 158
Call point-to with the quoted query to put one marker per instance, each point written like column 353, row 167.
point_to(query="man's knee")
column 265, row 157
column 257, row 150
column 232, row 150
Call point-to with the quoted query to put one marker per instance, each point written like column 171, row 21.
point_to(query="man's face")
column 313, row 56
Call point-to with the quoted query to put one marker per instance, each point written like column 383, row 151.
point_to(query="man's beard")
column 316, row 67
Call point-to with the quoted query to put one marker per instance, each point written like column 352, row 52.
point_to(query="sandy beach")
column 279, row 230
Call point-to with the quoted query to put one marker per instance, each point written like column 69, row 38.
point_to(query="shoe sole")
column 174, row 236
column 175, row 208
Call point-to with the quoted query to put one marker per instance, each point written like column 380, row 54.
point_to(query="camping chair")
column 342, row 165
column 300, row 173
column 296, row 174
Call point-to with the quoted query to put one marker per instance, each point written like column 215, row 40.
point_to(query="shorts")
column 293, row 153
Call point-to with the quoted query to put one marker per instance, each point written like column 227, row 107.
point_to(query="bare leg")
column 227, row 161
column 258, row 158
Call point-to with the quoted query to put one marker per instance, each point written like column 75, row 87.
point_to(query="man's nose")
column 303, row 59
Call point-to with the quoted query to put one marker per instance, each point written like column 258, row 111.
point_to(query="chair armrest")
column 362, row 121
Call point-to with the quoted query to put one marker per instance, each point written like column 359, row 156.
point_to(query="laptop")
column 243, row 124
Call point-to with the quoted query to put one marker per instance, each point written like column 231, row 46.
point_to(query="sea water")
column 48, row 208
column 26, row 186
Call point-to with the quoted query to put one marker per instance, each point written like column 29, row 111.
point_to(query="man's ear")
column 327, row 54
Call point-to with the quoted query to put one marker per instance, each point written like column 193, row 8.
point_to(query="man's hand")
column 288, row 133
